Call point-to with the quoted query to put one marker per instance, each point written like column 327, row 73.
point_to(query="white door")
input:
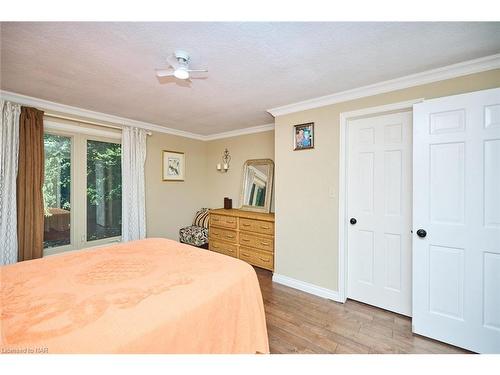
column 456, row 192
column 379, row 211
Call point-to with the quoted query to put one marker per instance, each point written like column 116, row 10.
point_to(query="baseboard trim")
column 307, row 287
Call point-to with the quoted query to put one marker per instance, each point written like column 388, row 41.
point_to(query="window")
column 82, row 190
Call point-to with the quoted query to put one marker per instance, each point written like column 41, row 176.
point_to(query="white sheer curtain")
column 9, row 148
column 133, row 197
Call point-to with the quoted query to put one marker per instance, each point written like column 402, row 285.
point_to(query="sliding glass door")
column 57, row 191
column 82, row 191
column 104, row 190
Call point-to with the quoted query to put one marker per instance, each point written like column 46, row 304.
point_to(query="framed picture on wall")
column 303, row 136
column 173, row 166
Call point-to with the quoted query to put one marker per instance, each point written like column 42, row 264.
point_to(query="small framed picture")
column 173, row 166
column 303, row 136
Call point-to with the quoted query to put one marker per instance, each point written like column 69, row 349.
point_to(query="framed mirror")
column 257, row 185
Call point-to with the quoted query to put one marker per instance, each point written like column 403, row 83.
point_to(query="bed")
column 148, row 296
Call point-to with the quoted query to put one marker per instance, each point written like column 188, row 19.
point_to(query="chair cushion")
column 201, row 218
column 194, row 235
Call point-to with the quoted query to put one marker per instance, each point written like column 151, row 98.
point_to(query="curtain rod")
column 53, row 115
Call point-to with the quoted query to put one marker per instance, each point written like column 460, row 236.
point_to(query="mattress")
column 148, row 296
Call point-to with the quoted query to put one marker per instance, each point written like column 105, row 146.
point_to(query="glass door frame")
column 72, row 213
column 78, row 191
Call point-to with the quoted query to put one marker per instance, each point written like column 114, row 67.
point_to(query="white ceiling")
column 109, row 67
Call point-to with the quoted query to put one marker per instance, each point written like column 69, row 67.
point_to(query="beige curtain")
column 9, row 137
column 29, row 184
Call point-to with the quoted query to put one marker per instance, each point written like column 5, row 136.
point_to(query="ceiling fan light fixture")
column 181, row 73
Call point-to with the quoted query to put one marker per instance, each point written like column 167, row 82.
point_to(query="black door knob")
column 353, row 221
column 421, row 233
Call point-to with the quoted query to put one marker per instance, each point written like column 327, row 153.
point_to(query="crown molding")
column 238, row 132
column 49, row 106
column 451, row 71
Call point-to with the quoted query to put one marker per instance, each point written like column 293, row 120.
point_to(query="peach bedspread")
column 148, row 296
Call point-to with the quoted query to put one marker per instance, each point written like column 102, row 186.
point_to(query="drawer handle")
column 245, row 240
column 264, row 260
column 246, row 225
column 215, row 246
column 229, row 236
column 231, row 251
column 265, row 243
column 215, row 219
column 245, row 254
column 230, row 222
column 261, row 227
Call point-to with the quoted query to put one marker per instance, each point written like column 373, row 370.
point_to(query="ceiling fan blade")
column 164, row 72
column 197, row 70
column 173, row 62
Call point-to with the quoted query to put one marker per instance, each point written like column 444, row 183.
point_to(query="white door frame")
column 342, row 228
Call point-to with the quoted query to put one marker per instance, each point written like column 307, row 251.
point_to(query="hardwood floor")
column 299, row 322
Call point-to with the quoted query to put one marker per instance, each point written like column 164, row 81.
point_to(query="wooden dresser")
column 246, row 235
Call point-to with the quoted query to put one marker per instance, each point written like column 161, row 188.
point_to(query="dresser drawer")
column 260, row 242
column 264, row 260
column 223, row 234
column 246, row 254
column 258, row 226
column 224, row 248
column 257, row 258
column 223, row 221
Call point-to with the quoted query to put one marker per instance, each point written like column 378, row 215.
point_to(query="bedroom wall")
column 171, row 205
column 306, row 212
column 241, row 148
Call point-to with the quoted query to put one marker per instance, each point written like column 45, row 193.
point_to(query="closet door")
column 379, row 211
column 456, row 220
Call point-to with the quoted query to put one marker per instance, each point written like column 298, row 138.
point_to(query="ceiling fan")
column 179, row 63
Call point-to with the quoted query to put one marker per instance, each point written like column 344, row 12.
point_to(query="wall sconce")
column 226, row 158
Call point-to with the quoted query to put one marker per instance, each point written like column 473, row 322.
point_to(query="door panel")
column 393, row 261
column 379, row 198
column 491, row 183
column 366, row 181
column 446, row 281
column 447, row 173
column 393, row 182
column 491, row 295
column 365, row 257
column 456, row 189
